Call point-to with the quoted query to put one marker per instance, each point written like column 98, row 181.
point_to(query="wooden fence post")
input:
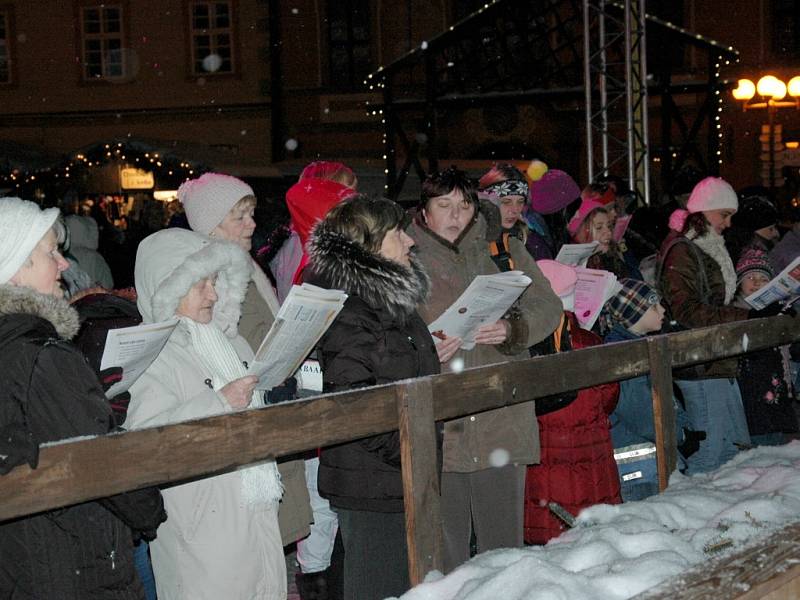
column 663, row 407
column 420, row 478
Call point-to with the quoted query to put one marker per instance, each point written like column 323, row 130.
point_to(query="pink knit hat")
column 553, row 191
column 711, row 193
column 580, row 215
column 209, row 198
column 562, row 279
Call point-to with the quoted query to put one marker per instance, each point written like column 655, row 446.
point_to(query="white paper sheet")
column 134, row 349
column 785, row 287
column 486, row 300
column 576, row 255
column 305, row 315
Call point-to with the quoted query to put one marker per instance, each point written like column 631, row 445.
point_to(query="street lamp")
column 772, row 92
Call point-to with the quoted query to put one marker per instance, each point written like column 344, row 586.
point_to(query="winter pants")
column 491, row 502
column 714, row 406
column 375, row 554
column 314, row 552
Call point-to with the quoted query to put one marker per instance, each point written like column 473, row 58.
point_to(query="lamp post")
column 772, row 92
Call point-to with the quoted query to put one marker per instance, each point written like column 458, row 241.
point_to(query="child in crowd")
column 594, row 222
column 576, row 468
column 763, row 375
column 633, row 313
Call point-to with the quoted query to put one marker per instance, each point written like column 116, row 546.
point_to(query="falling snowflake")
column 499, row 457
column 457, row 365
column 212, row 63
column 424, row 45
column 291, row 144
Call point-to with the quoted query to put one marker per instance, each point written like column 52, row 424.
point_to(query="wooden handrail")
column 75, row 471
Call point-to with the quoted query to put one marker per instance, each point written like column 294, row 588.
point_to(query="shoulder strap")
column 705, row 288
column 501, row 255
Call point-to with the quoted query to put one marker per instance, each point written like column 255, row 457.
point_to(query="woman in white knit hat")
column 222, row 538
column 698, row 283
column 50, row 393
column 222, row 207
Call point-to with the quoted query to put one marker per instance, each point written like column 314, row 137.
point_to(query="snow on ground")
column 619, row 551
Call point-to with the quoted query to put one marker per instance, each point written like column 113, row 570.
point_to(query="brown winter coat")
column 681, row 290
column 469, row 441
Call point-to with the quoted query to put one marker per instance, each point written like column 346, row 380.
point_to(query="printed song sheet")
column 576, row 255
column 486, row 300
column 785, row 287
column 305, row 315
column 134, row 349
column 592, row 290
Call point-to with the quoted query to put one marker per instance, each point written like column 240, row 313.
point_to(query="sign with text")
column 136, row 179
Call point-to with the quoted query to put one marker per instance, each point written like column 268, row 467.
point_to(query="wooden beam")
column 75, row 471
column 767, row 568
column 663, row 407
column 420, row 478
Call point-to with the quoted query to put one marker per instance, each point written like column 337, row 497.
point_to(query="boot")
column 312, row 586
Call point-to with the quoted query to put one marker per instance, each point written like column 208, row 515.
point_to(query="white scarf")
column 261, row 483
column 713, row 244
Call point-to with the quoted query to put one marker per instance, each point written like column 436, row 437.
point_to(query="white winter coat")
column 214, row 545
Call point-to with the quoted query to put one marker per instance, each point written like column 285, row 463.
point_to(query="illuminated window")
column 211, row 26
column 102, row 42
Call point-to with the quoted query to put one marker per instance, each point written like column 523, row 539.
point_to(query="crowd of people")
column 226, row 535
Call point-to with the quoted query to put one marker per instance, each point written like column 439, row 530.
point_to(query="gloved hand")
column 17, row 446
column 691, row 442
column 768, row 311
column 109, row 377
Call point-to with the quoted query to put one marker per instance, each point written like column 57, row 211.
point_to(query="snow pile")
column 619, row 551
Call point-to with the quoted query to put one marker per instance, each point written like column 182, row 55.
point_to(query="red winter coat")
column 577, row 467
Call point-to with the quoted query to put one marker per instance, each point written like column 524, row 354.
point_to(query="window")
column 785, row 28
column 5, row 46
column 212, row 38
column 102, row 42
column 349, row 43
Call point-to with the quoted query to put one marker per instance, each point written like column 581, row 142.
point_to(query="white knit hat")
column 711, row 193
column 208, row 199
column 22, row 225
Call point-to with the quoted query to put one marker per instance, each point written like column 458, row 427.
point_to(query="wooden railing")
column 74, row 471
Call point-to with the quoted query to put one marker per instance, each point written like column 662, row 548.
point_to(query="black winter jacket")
column 82, row 552
column 377, row 338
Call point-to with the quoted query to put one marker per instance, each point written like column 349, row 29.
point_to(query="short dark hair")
column 444, row 182
column 365, row 220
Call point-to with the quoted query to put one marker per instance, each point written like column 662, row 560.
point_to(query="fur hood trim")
column 57, row 311
column 171, row 261
column 378, row 281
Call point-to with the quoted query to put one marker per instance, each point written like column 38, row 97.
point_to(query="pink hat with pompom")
column 711, row 193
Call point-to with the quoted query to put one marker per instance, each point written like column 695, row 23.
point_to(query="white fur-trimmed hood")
column 169, row 262
column 57, row 311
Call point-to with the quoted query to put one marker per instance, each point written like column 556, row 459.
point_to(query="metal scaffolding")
column 615, row 90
